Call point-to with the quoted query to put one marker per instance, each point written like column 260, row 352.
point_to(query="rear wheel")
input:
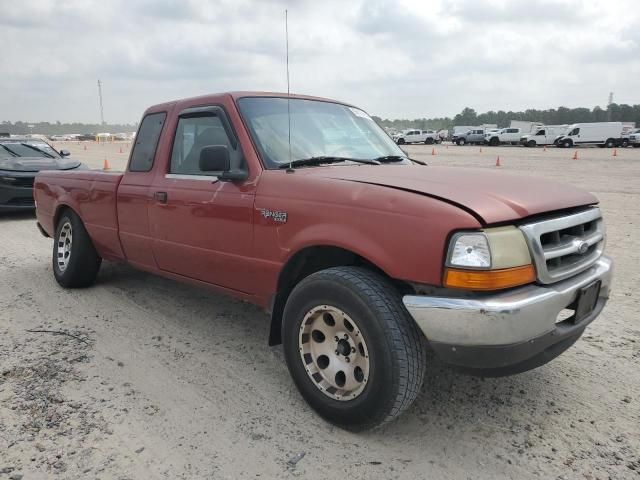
column 429, row 141
column 610, row 143
column 625, row 143
column 401, row 141
column 354, row 352
column 75, row 260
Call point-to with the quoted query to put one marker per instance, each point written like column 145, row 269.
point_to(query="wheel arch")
column 307, row 261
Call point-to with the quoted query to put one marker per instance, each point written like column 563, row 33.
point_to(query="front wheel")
column 460, row 141
column 355, row 354
column 75, row 260
column 567, row 143
column 401, row 141
column 531, row 143
column 494, row 142
column 429, row 141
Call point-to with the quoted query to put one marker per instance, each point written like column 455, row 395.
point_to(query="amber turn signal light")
column 489, row 279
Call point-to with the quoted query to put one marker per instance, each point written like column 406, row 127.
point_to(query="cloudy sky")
column 396, row 59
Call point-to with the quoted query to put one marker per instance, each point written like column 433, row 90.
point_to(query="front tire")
column 531, row 143
column 460, row 142
column 354, row 353
column 401, row 141
column 428, row 141
column 494, row 142
column 75, row 260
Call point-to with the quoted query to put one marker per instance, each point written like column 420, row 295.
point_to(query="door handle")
column 161, row 197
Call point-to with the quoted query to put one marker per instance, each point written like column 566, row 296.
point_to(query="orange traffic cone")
column 575, row 155
column 433, row 151
column 106, row 165
column 498, row 164
column 615, row 152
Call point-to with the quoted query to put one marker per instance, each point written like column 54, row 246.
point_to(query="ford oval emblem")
column 583, row 247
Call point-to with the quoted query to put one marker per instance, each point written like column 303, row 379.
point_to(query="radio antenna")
column 286, row 34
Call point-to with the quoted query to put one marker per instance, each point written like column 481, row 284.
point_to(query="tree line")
column 553, row 116
column 58, row 128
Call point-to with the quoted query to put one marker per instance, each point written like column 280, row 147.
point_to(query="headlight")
column 8, row 180
column 491, row 259
column 470, row 250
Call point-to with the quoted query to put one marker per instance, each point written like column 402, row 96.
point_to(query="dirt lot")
column 162, row 380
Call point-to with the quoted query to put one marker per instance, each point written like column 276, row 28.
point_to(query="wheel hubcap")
column 334, row 353
column 64, row 246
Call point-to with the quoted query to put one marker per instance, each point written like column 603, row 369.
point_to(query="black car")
column 20, row 160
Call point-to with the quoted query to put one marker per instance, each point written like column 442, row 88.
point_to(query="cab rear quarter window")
column 144, row 150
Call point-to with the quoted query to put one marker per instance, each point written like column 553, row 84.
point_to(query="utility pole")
column 100, row 99
column 609, row 106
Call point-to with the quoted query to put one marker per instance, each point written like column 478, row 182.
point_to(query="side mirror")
column 65, row 153
column 215, row 158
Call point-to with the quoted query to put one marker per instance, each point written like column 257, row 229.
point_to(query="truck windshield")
column 318, row 129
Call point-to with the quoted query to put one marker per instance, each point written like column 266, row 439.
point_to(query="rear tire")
column 610, row 143
column 75, row 260
column 393, row 361
column 460, row 142
column 401, row 141
column 625, row 143
column 429, row 141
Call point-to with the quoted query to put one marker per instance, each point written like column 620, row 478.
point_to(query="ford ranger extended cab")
column 363, row 257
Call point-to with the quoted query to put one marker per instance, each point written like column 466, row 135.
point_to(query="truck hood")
column 493, row 197
column 35, row 164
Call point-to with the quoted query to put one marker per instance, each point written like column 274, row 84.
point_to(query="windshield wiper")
column 397, row 158
column 32, row 147
column 9, row 150
column 321, row 160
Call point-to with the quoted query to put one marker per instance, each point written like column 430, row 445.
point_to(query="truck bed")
column 92, row 194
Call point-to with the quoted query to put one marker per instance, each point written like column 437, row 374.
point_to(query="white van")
column 604, row 134
column 546, row 135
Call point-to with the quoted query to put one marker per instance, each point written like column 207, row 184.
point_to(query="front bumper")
column 511, row 331
column 19, row 196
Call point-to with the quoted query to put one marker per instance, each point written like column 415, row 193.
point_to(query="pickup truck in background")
column 427, row 137
column 504, row 136
column 362, row 256
column 473, row 137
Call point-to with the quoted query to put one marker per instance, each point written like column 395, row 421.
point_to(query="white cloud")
column 394, row 58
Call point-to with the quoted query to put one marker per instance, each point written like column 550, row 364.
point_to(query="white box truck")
column 603, row 134
column 545, row 135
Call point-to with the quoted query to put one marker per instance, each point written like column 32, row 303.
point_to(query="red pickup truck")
column 363, row 257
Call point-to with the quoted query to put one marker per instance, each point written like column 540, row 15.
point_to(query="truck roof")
column 215, row 97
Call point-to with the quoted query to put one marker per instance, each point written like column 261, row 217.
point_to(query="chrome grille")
column 564, row 246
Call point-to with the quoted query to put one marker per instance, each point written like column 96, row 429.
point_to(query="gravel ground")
column 154, row 379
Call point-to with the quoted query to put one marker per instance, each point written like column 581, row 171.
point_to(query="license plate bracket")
column 586, row 300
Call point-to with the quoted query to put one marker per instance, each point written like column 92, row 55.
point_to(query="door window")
column 144, row 151
column 192, row 135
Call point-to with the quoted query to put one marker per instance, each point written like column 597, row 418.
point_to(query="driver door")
column 201, row 226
